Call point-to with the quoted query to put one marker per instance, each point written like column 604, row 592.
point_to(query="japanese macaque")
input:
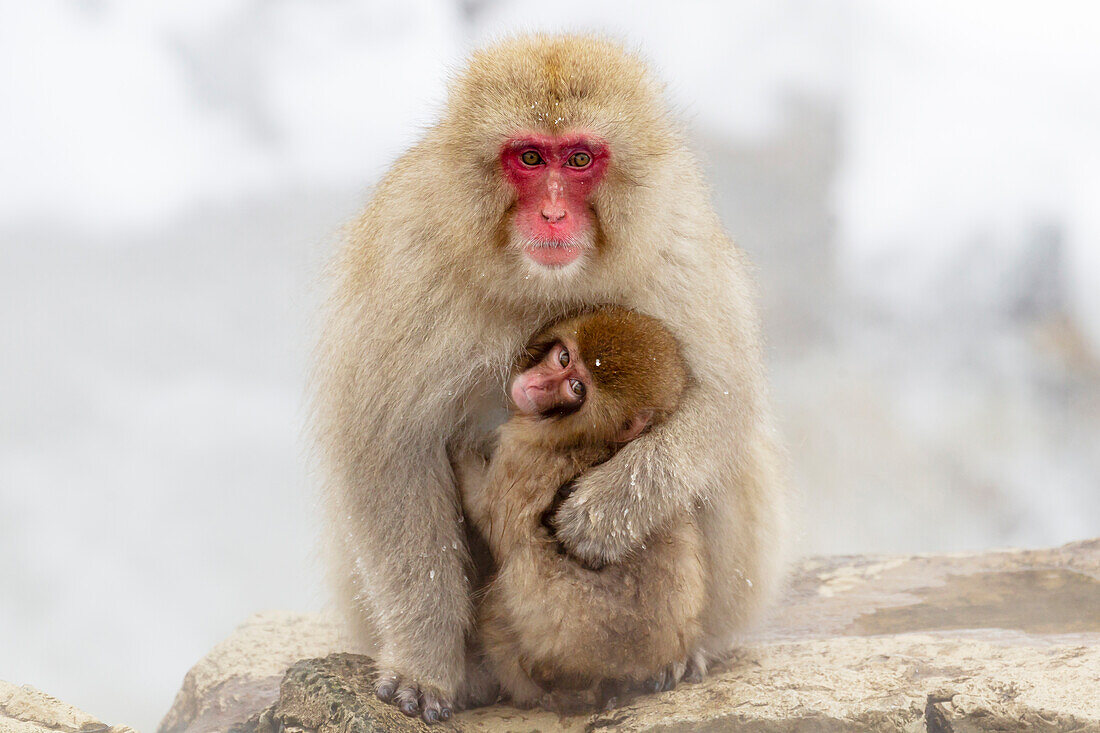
column 548, row 624
column 555, row 180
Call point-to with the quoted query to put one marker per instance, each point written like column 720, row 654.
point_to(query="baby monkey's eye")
column 563, row 357
column 530, row 157
column 577, row 387
column 579, row 160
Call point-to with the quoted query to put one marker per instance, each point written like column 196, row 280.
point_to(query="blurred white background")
column 919, row 184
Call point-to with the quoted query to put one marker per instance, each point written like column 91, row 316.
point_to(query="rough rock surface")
column 1000, row 641
column 27, row 710
column 241, row 675
column 1005, row 641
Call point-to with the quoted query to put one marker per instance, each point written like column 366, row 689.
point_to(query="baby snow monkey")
column 547, row 623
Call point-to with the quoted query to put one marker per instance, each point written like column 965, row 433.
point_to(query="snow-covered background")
column 919, row 184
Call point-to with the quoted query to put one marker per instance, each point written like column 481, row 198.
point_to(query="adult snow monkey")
column 555, row 180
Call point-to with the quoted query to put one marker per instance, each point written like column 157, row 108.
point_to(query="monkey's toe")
column 696, row 669
column 676, row 673
column 667, row 678
column 407, row 700
column 413, row 699
column 435, row 707
column 386, row 686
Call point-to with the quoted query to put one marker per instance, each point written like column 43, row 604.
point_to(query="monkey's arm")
column 470, row 474
column 403, row 565
column 506, row 497
column 398, row 549
column 657, row 476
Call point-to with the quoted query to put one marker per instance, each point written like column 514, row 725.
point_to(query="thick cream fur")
column 430, row 306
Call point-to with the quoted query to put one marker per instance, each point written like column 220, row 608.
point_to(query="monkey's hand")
column 613, row 508
column 618, row 504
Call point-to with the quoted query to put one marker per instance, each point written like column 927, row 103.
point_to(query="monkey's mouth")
column 553, row 254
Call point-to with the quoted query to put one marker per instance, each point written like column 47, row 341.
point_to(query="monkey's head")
column 569, row 139
column 600, row 377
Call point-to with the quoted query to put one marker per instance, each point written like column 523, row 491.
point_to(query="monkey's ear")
column 634, row 428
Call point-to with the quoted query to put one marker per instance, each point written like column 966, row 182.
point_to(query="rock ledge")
column 999, row 641
column 1005, row 641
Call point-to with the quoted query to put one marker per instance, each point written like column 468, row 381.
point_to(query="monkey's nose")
column 536, row 391
column 553, row 214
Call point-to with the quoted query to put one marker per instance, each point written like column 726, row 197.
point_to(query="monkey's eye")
column 563, row 357
column 530, row 157
column 576, row 386
column 579, row 160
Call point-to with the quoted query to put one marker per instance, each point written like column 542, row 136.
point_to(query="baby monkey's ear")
column 635, row 426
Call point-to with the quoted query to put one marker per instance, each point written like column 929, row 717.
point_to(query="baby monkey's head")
column 600, row 377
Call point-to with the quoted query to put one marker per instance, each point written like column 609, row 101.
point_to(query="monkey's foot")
column 690, row 670
column 413, row 698
column 696, row 668
column 667, row 678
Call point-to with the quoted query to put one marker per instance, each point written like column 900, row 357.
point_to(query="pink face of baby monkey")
column 559, row 382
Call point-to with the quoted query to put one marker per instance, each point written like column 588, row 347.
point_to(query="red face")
column 554, row 178
column 559, row 382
